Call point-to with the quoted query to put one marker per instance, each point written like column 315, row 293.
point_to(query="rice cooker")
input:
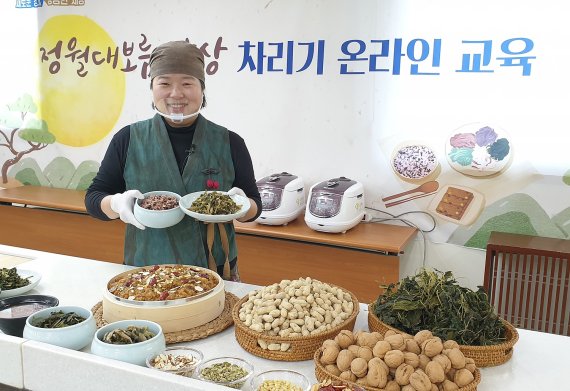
column 282, row 198
column 336, row 205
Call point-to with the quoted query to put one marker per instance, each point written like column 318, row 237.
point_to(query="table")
column 538, row 363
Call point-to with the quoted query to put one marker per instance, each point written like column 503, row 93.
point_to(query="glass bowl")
column 280, row 379
column 178, row 360
column 216, row 371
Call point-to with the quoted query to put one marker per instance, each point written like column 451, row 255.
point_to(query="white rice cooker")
column 336, row 205
column 282, row 198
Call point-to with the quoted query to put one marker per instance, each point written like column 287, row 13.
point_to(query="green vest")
column 150, row 166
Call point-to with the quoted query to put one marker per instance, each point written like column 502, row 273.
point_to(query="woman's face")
column 177, row 94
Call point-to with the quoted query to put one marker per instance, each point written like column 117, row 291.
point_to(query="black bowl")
column 15, row 310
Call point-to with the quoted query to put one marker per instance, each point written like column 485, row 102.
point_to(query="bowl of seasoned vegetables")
column 214, row 206
column 66, row 326
column 130, row 341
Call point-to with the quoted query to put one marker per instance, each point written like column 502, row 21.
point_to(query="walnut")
column 457, row 358
column 359, row 367
column 448, row 385
column 396, row 341
column 470, row 364
column 420, row 381
column 422, row 335
column 392, row 385
column 412, row 346
column 444, row 361
column 380, row 349
column 412, row 359
column 377, row 375
column 344, row 339
column 435, row 372
column 389, row 332
column 332, row 369
column 432, row 347
column 423, row 361
column 330, row 342
column 403, row 374
column 330, row 354
column 394, row 358
column 344, row 359
column 354, row 349
column 463, row 377
column 450, row 344
column 364, row 352
column 375, row 361
column 348, row 375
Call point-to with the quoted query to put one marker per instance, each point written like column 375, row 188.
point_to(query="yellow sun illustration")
column 80, row 100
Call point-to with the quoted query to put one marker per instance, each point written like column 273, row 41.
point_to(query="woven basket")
column 484, row 356
column 321, row 374
column 301, row 348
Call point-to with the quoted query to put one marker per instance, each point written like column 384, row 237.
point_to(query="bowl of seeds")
column 178, row 360
column 70, row 327
column 280, row 379
column 230, row 372
column 158, row 209
column 130, row 340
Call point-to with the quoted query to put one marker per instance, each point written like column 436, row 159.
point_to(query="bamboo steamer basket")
column 171, row 315
column 300, row 348
column 484, row 356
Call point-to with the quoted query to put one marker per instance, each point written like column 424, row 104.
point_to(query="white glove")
column 123, row 204
column 236, row 190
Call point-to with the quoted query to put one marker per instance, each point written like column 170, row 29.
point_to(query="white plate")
column 186, row 202
column 34, row 277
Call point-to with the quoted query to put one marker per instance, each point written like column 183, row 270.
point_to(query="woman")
column 177, row 150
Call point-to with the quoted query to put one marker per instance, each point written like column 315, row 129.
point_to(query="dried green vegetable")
column 59, row 319
column 131, row 334
column 214, row 203
column 433, row 300
column 10, row 279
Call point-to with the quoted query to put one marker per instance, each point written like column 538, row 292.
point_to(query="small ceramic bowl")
column 74, row 337
column 15, row 310
column 202, row 372
column 178, row 360
column 158, row 218
column 135, row 353
column 280, row 375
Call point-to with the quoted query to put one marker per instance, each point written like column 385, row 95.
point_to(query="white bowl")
column 237, row 383
column 294, row 378
column 188, row 370
column 135, row 353
column 74, row 337
column 158, row 218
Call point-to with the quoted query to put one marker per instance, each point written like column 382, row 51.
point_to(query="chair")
column 527, row 280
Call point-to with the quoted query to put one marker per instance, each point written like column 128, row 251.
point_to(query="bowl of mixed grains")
column 178, row 360
column 159, row 209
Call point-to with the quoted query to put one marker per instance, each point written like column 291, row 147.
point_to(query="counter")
column 538, row 362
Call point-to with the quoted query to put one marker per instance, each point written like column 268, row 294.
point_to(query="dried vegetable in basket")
column 433, row 300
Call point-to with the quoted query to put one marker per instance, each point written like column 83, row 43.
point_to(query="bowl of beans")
column 230, row 372
column 178, row 360
column 280, row 379
column 159, row 209
column 415, row 162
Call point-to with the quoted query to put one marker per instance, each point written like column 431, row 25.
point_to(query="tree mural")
column 32, row 130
